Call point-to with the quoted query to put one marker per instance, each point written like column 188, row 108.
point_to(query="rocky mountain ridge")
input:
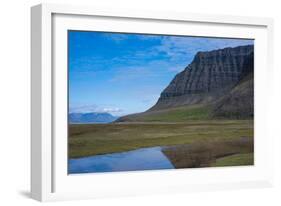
column 219, row 81
column 209, row 75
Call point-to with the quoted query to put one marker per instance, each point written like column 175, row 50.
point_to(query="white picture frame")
column 49, row 179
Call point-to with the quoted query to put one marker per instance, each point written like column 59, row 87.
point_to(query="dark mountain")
column 209, row 76
column 220, row 81
column 91, row 118
column 238, row 102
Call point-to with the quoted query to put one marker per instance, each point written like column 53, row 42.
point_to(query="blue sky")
column 125, row 73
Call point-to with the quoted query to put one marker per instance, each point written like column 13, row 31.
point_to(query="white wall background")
column 15, row 95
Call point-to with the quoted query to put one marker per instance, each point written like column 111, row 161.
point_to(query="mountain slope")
column 176, row 114
column 91, row 118
column 208, row 77
column 217, row 84
column 238, row 103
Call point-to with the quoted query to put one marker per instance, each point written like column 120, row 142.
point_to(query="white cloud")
column 111, row 110
column 177, row 47
column 116, row 37
column 94, row 108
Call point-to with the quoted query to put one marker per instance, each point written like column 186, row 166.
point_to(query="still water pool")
column 150, row 158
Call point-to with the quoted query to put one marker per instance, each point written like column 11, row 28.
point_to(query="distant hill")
column 217, row 84
column 91, row 117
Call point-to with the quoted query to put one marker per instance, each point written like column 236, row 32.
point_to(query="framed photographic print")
column 133, row 102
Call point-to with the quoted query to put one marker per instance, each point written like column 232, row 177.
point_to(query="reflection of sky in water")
column 141, row 159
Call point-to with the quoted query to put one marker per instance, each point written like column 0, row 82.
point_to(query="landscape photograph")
column 140, row 102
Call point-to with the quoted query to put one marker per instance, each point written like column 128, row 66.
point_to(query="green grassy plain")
column 94, row 139
column 233, row 160
column 190, row 136
column 176, row 114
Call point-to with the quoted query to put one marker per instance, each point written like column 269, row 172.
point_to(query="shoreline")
column 206, row 154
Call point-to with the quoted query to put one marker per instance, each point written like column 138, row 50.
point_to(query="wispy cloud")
column 130, row 73
column 95, row 108
column 147, row 70
column 116, row 37
column 178, row 48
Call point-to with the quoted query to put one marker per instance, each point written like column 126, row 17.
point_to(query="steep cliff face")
column 217, row 84
column 239, row 101
column 208, row 77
